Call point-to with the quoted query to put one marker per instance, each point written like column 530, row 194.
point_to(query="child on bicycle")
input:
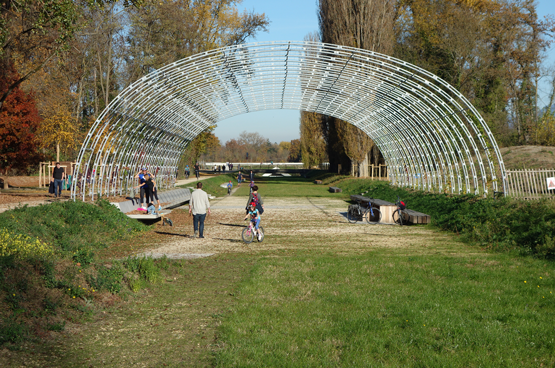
column 255, row 218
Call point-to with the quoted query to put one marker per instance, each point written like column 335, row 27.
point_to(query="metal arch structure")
column 429, row 134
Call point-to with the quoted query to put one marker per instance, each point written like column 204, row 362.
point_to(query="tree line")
column 63, row 61
column 492, row 51
column 247, row 147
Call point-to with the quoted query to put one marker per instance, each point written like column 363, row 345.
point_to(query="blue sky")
column 293, row 20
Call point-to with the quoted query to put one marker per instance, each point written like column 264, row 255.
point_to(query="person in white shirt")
column 199, row 205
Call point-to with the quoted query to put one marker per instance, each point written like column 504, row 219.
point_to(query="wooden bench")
column 387, row 209
column 317, row 181
column 335, row 190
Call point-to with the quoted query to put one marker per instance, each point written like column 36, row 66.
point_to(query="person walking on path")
column 197, row 170
column 252, row 186
column 239, row 179
column 199, row 205
column 58, row 177
column 229, row 186
column 187, row 172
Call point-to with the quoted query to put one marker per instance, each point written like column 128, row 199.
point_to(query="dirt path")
column 316, row 221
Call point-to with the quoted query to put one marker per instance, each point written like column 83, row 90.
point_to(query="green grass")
column 393, row 308
column 297, row 186
column 212, row 185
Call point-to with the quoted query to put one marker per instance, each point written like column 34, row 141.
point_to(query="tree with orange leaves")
column 19, row 122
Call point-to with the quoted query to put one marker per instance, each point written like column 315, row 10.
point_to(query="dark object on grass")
column 335, row 190
column 317, row 181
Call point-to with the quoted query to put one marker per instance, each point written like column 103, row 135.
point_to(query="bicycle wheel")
column 352, row 214
column 247, row 235
column 261, row 230
column 398, row 217
column 374, row 215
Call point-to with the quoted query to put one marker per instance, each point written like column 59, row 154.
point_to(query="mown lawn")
column 393, row 307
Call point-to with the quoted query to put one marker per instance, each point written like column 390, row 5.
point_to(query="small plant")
column 108, row 278
column 57, row 326
column 22, row 246
column 84, row 256
column 145, row 267
column 12, row 331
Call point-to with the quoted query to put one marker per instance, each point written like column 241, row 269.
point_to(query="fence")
column 530, row 184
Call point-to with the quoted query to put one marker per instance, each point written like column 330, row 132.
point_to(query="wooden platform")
column 335, row 190
column 387, row 209
column 317, row 181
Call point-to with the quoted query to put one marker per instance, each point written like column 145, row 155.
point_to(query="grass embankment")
column 50, row 271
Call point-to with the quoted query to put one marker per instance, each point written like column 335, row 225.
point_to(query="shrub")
column 108, row 278
column 22, row 246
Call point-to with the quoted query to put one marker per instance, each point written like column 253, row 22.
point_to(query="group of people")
column 196, row 167
column 148, row 189
column 199, row 207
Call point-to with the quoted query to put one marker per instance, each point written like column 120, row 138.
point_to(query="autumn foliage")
column 19, row 122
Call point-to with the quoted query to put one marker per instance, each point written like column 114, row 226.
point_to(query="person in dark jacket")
column 58, row 177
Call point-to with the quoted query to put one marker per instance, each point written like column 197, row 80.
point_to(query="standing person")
column 252, row 176
column 187, row 172
column 197, row 170
column 252, row 186
column 229, row 186
column 152, row 191
column 239, row 178
column 198, row 206
column 142, row 181
column 58, row 177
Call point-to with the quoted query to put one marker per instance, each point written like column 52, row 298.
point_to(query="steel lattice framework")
column 430, row 135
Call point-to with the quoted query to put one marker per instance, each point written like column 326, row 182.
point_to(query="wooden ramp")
column 387, row 209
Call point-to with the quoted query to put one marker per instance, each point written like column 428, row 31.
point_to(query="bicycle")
column 399, row 212
column 248, row 233
column 358, row 211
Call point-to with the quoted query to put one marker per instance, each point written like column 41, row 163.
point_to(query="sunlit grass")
column 390, row 308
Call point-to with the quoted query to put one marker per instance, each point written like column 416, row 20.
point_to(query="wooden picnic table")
column 387, row 209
